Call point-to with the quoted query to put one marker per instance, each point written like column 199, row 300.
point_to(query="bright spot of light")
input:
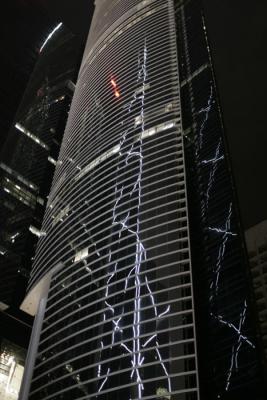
column 115, row 87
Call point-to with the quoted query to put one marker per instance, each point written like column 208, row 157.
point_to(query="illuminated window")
column 21, row 194
column 142, row 88
column 61, row 215
column 52, row 160
column 144, row 134
column 40, row 200
column 138, row 120
column 36, row 231
column 12, row 361
column 81, row 254
column 18, row 176
column 157, row 129
column 97, row 161
column 3, row 251
column 31, row 136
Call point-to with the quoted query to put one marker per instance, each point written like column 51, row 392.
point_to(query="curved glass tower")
column 114, row 261
column 120, row 312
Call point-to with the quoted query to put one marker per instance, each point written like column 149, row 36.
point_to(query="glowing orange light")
column 117, row 94
column 113, row 83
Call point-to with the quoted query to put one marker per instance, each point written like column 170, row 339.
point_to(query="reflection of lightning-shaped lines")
column 140, row 253
column 220, row 257
column 218, row 230
column 131, row 150
column 206, row 111
column 213, row 160
column 214, row 167
column 104, row 381
column 240, row 340
column 226, row 233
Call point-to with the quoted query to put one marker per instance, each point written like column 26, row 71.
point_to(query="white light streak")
column 218, row 230
column 233, row 327
column 164, row 368
column 206, row 112
column 149, row 340
column 126, row 348
column 31, row 136
column 52, row 160
column 165, row 312
column 50, row 35
column 212, row 173
column 104, row 381
column 36, row 232
column 217, row 270
column 212, row 160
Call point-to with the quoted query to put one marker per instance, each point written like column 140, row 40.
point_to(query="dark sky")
column 76, row 14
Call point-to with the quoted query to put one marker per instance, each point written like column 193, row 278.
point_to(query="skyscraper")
column 140, row 279
column 27, row 21
column 28, row 158
column 27, row 164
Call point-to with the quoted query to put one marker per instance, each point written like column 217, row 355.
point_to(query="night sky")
column 238, row 35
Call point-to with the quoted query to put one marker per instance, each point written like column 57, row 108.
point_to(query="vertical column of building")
column 120, row 317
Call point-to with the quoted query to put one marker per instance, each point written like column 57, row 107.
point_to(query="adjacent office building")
column 27, row 21
column 140, row 281
column 28, row 159
column 27, row 165
column 256, row 240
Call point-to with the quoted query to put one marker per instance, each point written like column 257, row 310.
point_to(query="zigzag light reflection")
column 217, row 270
column 214, row 166
column 206, row 110
column 130, row 152
column 226, row 233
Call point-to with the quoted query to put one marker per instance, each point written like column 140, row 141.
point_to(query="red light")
column 115, row 87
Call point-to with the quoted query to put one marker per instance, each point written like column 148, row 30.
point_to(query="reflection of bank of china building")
column 141, row 211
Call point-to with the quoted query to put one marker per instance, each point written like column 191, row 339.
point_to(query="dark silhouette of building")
column 24, row 26
column 140, row 282
column 29, row 157
column 256, row 240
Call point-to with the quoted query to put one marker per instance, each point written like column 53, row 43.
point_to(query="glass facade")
column 228, row 360
column 149, row 296
column 27, row 161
